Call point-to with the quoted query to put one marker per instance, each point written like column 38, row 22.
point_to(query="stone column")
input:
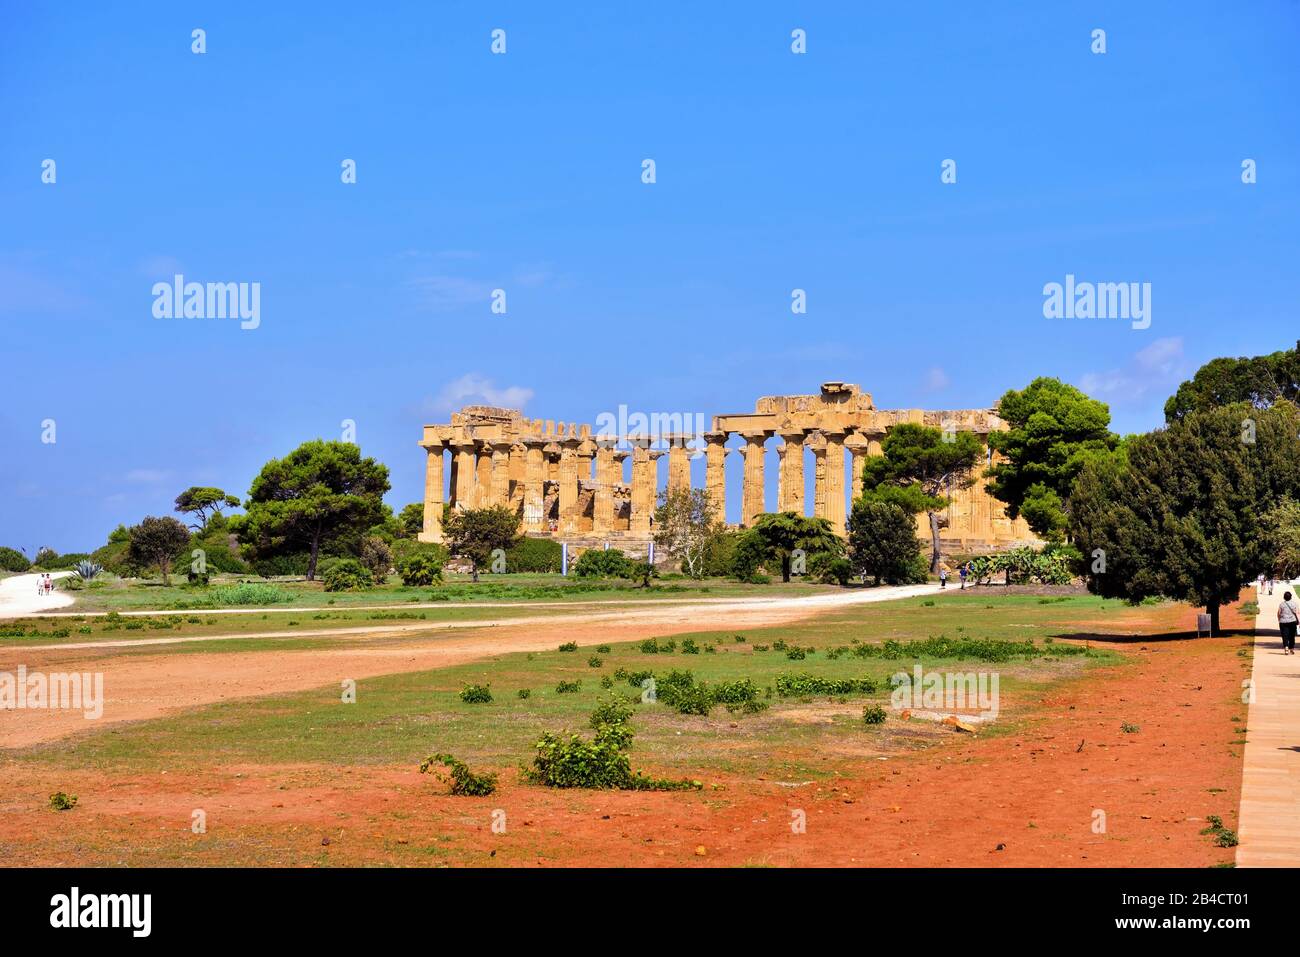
column 517, row 471
column 568, row 495
column 483, row 476
column 463, row 474
column 602, row 513
column 715, row 472
column 679, row 464
column 817, row 442
column 752, row 504
column 534, row 495
column 432, row 531
column 789, row 496
column 642, row 485
column 499, row 493
column 858, row 447
column 835, row 481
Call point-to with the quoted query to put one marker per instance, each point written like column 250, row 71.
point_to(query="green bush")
column 348, row 575
column 602, row 762
column 804, row 685
column 524, row 693
column 595, row 661
column 538, row 555
column 476, row 694
column 12, row 560
column 603, row 563
column 422, row 565
column 613, row 710
column 249, row 593
column 568, row 646
column 279, row 566
column 831, row 569
column 873, row 714
column 60, row 801
column 568, row 687
column 464, row 782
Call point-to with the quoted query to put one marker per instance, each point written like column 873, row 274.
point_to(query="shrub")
column 689, row 647
column 595, row 661
column 464, row 782
column 276, row 566
column 568, row 687
column 606, row 681
column 602, row 762
column 377, row 557
column 348, row 575
column 524, row 693
column 87, row 570
column 540, row 555
column 804, row 685
column 602, row 649
column 422, row 566
column 12, row 560
column 613, row 710
column 568, row 646
column 831, row 569
column 873, row 714
column 603, row 563
column 249, row 593
column 476, row 694
column 60, row 801
column 649, row 647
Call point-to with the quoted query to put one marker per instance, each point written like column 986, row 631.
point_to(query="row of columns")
column 514, row 473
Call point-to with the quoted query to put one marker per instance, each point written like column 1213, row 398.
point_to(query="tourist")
column 943, row 576
column 1287, row 617
column 962, row 571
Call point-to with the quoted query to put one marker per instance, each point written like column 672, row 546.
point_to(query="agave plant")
column 88, row 569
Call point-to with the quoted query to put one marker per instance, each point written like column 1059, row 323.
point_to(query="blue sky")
column 522, row 171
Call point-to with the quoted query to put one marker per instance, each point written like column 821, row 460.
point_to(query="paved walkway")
column 19, row 598
column 1269, row 822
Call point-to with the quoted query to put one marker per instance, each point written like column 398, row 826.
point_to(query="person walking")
column 943, row 576
column 962, row 571
column 1288, row 615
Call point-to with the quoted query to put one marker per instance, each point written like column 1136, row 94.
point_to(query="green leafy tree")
column 1282, row 538
column 411, row 519
column 882, row 542
column 922, row 467
column 1180, row 512
column 474, row 533
column 684, row 527
column 155, row 541
column 1261, row 381
column 781, row 534
column 204, row 501
column 319, row 493
column 1054, row 429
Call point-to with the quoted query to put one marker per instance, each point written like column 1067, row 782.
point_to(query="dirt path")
column 1270, row 780
column 137, row 687
column 19, row 598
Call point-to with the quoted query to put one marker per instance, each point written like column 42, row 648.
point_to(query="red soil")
column 1025, row 798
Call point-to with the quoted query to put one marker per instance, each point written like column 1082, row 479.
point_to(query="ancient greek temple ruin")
column 567, row 481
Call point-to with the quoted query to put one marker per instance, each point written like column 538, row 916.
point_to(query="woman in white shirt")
column 1287, row 617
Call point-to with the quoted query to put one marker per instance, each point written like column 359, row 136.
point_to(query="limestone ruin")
column 566, row 481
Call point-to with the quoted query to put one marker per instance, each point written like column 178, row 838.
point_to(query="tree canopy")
column 780, row 534
column 1261, row 381
column 319, row 492
column 685, row 526
column 882, row 542
column 919, row 469
column 1179, row 513
column 204, row 501
column 1054, row 430
column 156, row 541
column 475, row 533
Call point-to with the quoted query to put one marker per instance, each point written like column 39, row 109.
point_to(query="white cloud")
column 1156, row 368
column 936, row 380
column 475, row 389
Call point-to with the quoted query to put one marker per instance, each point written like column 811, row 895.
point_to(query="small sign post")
column 1202, row 624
